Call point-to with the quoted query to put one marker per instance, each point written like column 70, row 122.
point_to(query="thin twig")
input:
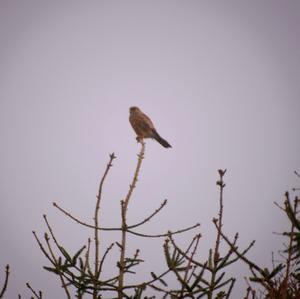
column 249, row 290
column 149, row 217
column 128, row 229
column 108, row 249
column 218, row 222
column 43, row 249
column 5, row 281
column 233, row 280
column 221, row 184
column 165, row 234
column 241, row 255
column 184, row 254
column 96, row 218
column 83, row 223
column 53, row 256
column 289, row 251
column 37, row 295
column 158, row 277
column 87, row 256
column 197, row 238
column 51, row 231
column 64, row 285
column 70, row 280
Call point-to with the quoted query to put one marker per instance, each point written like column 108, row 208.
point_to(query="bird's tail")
column 160, row 140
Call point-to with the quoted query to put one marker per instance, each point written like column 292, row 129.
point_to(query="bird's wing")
column 147, row 123
column 140, row 124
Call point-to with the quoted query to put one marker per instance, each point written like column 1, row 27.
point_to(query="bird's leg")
column 139, row 139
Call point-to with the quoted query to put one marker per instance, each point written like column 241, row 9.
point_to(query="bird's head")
column 133, row 109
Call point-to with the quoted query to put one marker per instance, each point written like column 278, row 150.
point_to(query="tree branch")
column 5, row 281
column 96, row 219
column 124, row 206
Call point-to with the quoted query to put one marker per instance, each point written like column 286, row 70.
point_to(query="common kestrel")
column 143, row 126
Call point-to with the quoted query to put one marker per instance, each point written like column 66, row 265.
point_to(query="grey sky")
column 221, row 82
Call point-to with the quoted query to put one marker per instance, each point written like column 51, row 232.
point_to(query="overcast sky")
column 219, row 79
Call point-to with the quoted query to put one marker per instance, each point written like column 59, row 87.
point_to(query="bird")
column 143, row 126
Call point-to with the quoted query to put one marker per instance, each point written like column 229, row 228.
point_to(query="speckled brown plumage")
column 144, row 127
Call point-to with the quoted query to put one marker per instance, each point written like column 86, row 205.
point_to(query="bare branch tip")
column 222, row 172
column 112, row 156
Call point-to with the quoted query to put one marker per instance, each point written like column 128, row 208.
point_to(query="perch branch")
column 124, row 206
